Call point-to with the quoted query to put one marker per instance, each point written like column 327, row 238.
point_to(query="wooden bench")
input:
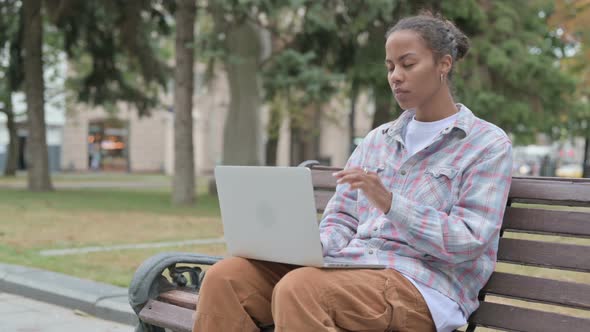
column 550, row 237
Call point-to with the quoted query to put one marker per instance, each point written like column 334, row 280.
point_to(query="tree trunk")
column 273, row 132
column 183, row 191
column 38, row 167
column 12, row 153
column 305, row 136
column 242, row 141
column 586, row 162
column 272, row 146
column 354, row 91
column 383, row 105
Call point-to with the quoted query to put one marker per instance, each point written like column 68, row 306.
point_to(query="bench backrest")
column 540, row 231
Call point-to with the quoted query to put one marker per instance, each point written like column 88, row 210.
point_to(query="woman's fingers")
column 369, row 182
column 345, row 172
column 350, row 171
column 352, row 177
column 357, row 185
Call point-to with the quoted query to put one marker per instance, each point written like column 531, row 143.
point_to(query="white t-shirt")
column 420, row 134
column 446, row 314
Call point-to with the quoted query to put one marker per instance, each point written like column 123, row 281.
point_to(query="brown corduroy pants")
column 241, row 295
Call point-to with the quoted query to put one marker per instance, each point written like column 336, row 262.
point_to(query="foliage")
column 511, row 76
column 11, row 75
column 112, row 46
column 514, row 75
column 571, row 21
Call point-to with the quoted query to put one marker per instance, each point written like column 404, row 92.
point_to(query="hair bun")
column 461, row 41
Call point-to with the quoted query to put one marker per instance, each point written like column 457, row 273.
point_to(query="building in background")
column 96, row 140
column 54, row 119
column 55, row 100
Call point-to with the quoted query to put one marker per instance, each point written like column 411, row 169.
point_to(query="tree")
column 113, row 49
column 38, row 172
column 183, row 189
column 524, row 97
column 242, row 43
column 249, row 37
column 296, row 88
column 11, row 75
column 13, row 144
column 112, row 36
column 345, row 41
column 571, row 21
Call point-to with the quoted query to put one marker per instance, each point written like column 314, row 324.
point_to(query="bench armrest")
column 148, row 280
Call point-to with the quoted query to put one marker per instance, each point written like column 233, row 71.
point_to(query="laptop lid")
column 269, row 213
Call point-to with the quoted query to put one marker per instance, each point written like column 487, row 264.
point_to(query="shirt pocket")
column 438, row 187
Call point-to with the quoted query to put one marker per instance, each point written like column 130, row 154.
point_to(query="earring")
column 442, row 77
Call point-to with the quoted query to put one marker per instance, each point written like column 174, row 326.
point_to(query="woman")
column 424, row 194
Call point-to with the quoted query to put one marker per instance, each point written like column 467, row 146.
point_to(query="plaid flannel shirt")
column 447, row 208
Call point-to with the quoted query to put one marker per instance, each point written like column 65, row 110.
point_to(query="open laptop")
column 269, row 214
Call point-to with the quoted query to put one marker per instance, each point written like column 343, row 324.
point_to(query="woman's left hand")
column 369, row 183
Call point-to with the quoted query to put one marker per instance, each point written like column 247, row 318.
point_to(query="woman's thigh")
column 361, row 299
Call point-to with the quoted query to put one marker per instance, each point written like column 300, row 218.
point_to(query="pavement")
column 20, row 314
column 34, row 300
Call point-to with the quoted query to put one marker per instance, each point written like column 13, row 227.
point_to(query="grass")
column 31, row 222
column 111, row 200
column 70, row 218
column 113, row 267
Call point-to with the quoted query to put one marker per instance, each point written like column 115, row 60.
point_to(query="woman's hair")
column 440, row 35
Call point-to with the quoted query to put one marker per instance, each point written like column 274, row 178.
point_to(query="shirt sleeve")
column 340, row 219
column 474, row 221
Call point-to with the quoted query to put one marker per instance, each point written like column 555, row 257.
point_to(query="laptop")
column 269, row 214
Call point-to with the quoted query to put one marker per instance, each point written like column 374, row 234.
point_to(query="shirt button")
column 376, row 229
column 403, row 172
column 370, row 252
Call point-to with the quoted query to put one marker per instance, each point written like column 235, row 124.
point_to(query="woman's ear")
column 445, row 64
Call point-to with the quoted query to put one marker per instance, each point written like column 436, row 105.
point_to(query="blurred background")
column 113, row 113
column 275, row 82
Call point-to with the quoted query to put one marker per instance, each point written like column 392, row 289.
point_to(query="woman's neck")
column 438, row 107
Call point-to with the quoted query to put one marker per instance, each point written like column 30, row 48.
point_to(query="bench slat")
column 511, row 318
column 167, row 315
column 551, row 191
column 547, row 222
column 557, row 190
column 564, row 293
column 519, row 219
column 545, row 254
column 182, row 298
column 323, row 179
column 321, row 199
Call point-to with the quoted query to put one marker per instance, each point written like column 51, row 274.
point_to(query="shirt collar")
column 463, row 122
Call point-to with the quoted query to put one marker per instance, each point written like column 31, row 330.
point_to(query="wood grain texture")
column 167, row 315
column 511, row 318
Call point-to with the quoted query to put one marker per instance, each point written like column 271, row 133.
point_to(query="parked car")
column 569, row 171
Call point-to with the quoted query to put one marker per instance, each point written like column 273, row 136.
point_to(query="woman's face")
column 413, row 75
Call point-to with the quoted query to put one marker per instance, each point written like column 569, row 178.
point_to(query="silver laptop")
column 269, row 214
